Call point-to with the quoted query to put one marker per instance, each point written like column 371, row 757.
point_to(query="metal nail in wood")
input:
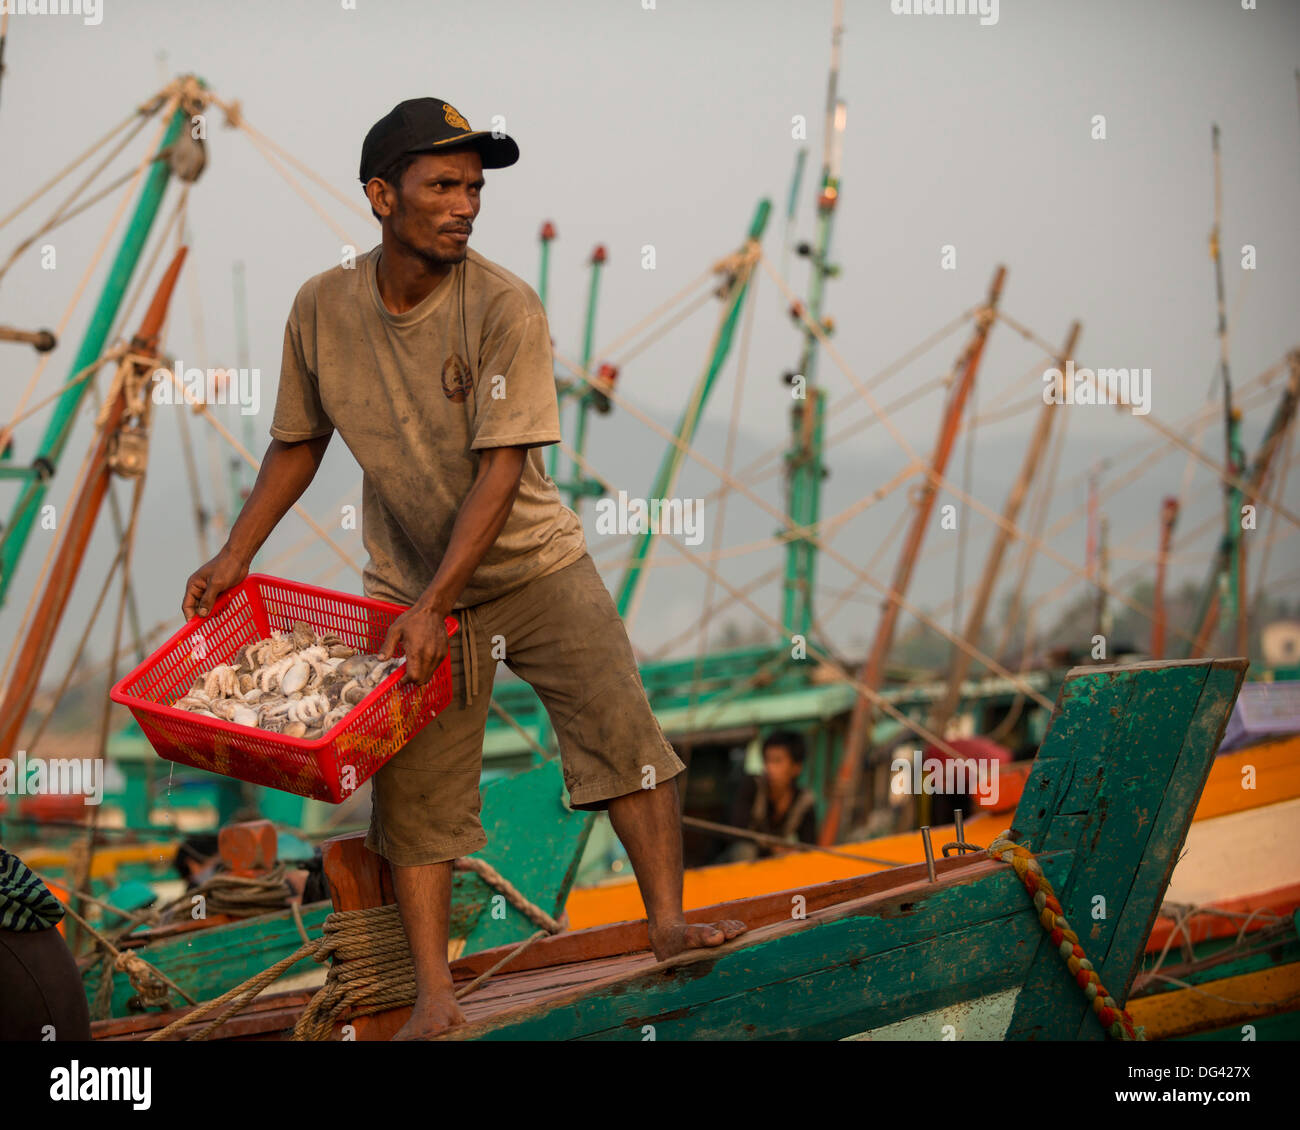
column 929, row 851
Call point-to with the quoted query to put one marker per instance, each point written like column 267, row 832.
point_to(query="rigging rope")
column 832, row 665
column 1170, row 434
column 791, row 528
column 6, row 431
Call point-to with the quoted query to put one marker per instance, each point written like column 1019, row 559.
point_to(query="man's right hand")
column 203, row 588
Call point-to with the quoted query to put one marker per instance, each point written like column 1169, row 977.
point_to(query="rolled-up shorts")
column 563, row 635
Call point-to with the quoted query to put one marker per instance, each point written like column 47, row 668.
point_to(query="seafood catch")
column 294, row 683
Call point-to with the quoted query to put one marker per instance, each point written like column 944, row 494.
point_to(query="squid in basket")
column 293, row 683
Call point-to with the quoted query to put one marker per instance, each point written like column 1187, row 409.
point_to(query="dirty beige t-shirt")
column 415, row 397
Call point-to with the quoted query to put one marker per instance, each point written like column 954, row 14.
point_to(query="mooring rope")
column 1115, row 1020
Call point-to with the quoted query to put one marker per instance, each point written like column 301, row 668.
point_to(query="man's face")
column 432, row 212
column 779, row 766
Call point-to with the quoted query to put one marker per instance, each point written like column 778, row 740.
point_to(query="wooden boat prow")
column 1105, row 811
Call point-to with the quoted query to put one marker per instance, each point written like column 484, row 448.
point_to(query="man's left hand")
column 423, row 636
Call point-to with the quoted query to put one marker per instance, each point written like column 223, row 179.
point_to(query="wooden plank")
column 552, row 955
column 357, row 877
column 265, row 1014
column 1168, row 830
column 1063, row 832
column 1275, row 771
column 844, row 936
column 1086, row 722
column 1122, row 827
column 760, row 910
column 1157, row 724
column 184, row 926
column 1284, row 1027
column 1235, row 1001
column 844, row 999
column 1084, row 782
column 1243, row 853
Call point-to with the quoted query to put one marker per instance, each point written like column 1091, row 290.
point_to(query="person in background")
column 774, row 804
column 197, row 857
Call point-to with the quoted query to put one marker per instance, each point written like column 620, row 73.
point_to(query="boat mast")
column 1168, row 518
column 580, row 485
column 79, row 523
column 961, row 659
column 873, row 670
column 1230, row 578
column 1283, row 418
column 1105, row 616
column 805, row 466
column 734, row 290
column 1225, row 590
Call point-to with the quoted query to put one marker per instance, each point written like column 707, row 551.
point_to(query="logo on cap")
column 454, row 118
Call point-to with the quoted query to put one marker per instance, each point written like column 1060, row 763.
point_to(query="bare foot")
column 431, row 1016
column 666, row 941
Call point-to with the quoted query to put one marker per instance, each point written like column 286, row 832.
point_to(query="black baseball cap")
column 426, row 125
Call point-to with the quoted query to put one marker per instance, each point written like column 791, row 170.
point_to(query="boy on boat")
column 773, row 804
column 435, row 366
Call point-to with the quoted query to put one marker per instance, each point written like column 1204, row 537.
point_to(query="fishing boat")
column 906, row 953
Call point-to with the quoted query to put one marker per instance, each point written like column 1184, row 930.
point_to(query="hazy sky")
column 665, row 127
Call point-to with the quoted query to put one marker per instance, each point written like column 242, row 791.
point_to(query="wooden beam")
column 844, row 794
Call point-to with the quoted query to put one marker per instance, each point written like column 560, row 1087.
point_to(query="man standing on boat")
column 435, row 365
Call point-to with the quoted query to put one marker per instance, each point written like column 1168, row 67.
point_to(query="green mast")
column 805, row 467
column 1220, row 600
column 59, row 428
column 543, row 282
column 580, row 485
column 672, row 461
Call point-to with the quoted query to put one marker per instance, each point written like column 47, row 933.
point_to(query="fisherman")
column 435, row 365
column 774, row 804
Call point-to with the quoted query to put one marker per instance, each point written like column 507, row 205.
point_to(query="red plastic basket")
column 332, row 766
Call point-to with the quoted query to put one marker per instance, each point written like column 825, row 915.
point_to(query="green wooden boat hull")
column 1106, row 809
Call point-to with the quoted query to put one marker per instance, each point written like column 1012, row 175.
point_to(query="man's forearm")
column 287, row 470
column 479, row 522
